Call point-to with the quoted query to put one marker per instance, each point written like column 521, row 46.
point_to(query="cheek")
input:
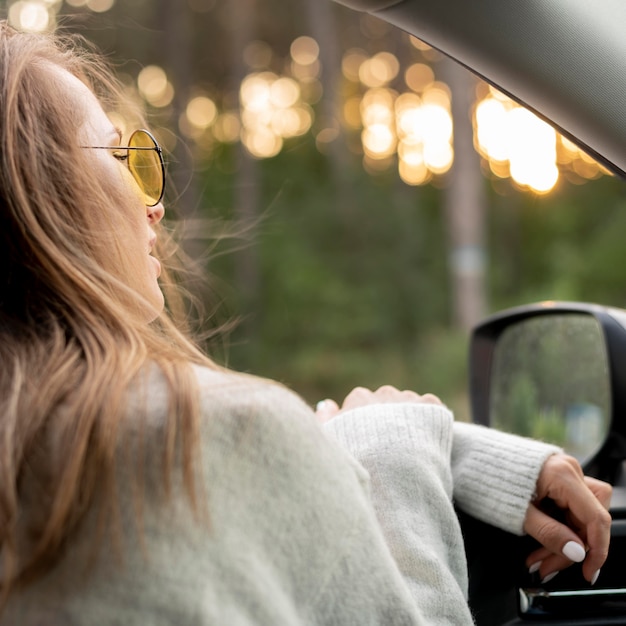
column 130, row 184
column 117, row 178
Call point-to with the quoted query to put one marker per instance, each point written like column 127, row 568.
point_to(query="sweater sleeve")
column 495, row 474
column 406, row 450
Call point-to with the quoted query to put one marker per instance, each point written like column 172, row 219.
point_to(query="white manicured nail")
column 594, row 578
column 574, row 551
column 548, row 578
column 534, row 567
column 320, row 405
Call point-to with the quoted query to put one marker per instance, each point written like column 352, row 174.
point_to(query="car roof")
column 563, row 59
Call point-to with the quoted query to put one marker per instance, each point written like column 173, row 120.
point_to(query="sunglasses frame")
column 156, row 148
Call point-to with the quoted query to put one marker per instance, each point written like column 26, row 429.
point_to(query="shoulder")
column 244, row 419
column 217, row 393
column 244, row 392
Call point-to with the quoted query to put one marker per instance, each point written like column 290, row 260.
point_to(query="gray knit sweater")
column 349, row 527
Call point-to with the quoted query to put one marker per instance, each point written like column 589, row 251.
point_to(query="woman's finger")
column 545, row 564
column 584, row 504
column 601, row 490
column 553, row 535
column 326, row 410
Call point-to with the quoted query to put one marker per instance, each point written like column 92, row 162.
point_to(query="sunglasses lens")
column 146, row 166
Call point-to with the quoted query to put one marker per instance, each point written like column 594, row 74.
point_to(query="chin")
column 157, row 303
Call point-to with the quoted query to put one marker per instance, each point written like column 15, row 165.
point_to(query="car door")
column 566, row 61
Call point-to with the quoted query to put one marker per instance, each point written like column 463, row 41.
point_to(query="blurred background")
column 357, row 200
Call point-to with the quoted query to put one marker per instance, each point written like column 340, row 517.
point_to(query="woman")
column 142, row 484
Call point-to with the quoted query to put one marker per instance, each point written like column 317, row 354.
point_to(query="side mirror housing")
column 556, row 371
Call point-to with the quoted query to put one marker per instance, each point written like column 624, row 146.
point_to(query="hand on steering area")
column 584, row 534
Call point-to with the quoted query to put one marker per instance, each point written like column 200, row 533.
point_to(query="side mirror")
column 557, row 371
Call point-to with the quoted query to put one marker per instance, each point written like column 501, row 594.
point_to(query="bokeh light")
column 351, row 63
column 518, row 144
column 272, row 110
column 100, row 6
column 31, row 16
column 154, row 86
column 379, row 70
column 227, row 127
column 201, row 112
column 419, row 76
column 304, row 50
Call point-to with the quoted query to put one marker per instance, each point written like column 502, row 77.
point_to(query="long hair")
column 73, row 333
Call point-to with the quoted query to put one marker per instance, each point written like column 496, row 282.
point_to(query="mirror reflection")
column 551, row 381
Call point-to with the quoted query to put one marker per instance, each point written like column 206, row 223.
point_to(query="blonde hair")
column 73, row 333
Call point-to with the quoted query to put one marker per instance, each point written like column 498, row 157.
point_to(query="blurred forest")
column 351, row 250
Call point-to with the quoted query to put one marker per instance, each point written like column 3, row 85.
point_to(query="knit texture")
column 495, row 474
column 302, row 527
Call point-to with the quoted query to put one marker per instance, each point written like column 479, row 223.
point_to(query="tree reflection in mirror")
column 551, row 381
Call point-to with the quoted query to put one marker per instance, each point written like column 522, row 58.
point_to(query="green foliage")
column 354, row 286
column 564, row 246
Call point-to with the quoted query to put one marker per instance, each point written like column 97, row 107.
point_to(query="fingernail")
column 594, row 578
column 574, row 551
column 320, row 405
column 548, row 578
column 534, row 567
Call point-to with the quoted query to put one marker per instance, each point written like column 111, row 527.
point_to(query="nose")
column 155, row 213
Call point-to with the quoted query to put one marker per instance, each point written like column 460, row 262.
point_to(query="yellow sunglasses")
column 144, row 158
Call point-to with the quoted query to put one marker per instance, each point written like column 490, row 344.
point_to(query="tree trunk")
column 465, row 206
column 247, row 188
column 323, row 28
column 176, row 28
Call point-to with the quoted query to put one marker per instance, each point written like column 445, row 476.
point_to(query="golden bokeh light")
column 154, row 86
column 325, row 137
column 379, row 141
column 351, row 62
column 30, row 16
column 188, row 129
column 379, row 69
column 352, row 112
column 377, row 112
column 410, row 122
column 271, row 110
column 291, row 122
column 425, row 128
column 227, row 127
column 420, row 45
column 100, row 6
column 414, row 173
column 438, row 93
column 532, row 151
column 305, row 73
column 201, row 112
column 262, row 142
column 254, row 92
column 284, row 92
column 418, row 76
column 491, row 129
column 304, row 50
column 517, row 143
column 438, row 157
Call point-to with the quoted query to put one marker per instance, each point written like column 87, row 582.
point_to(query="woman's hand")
column 360, row 396
column 584, row 535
